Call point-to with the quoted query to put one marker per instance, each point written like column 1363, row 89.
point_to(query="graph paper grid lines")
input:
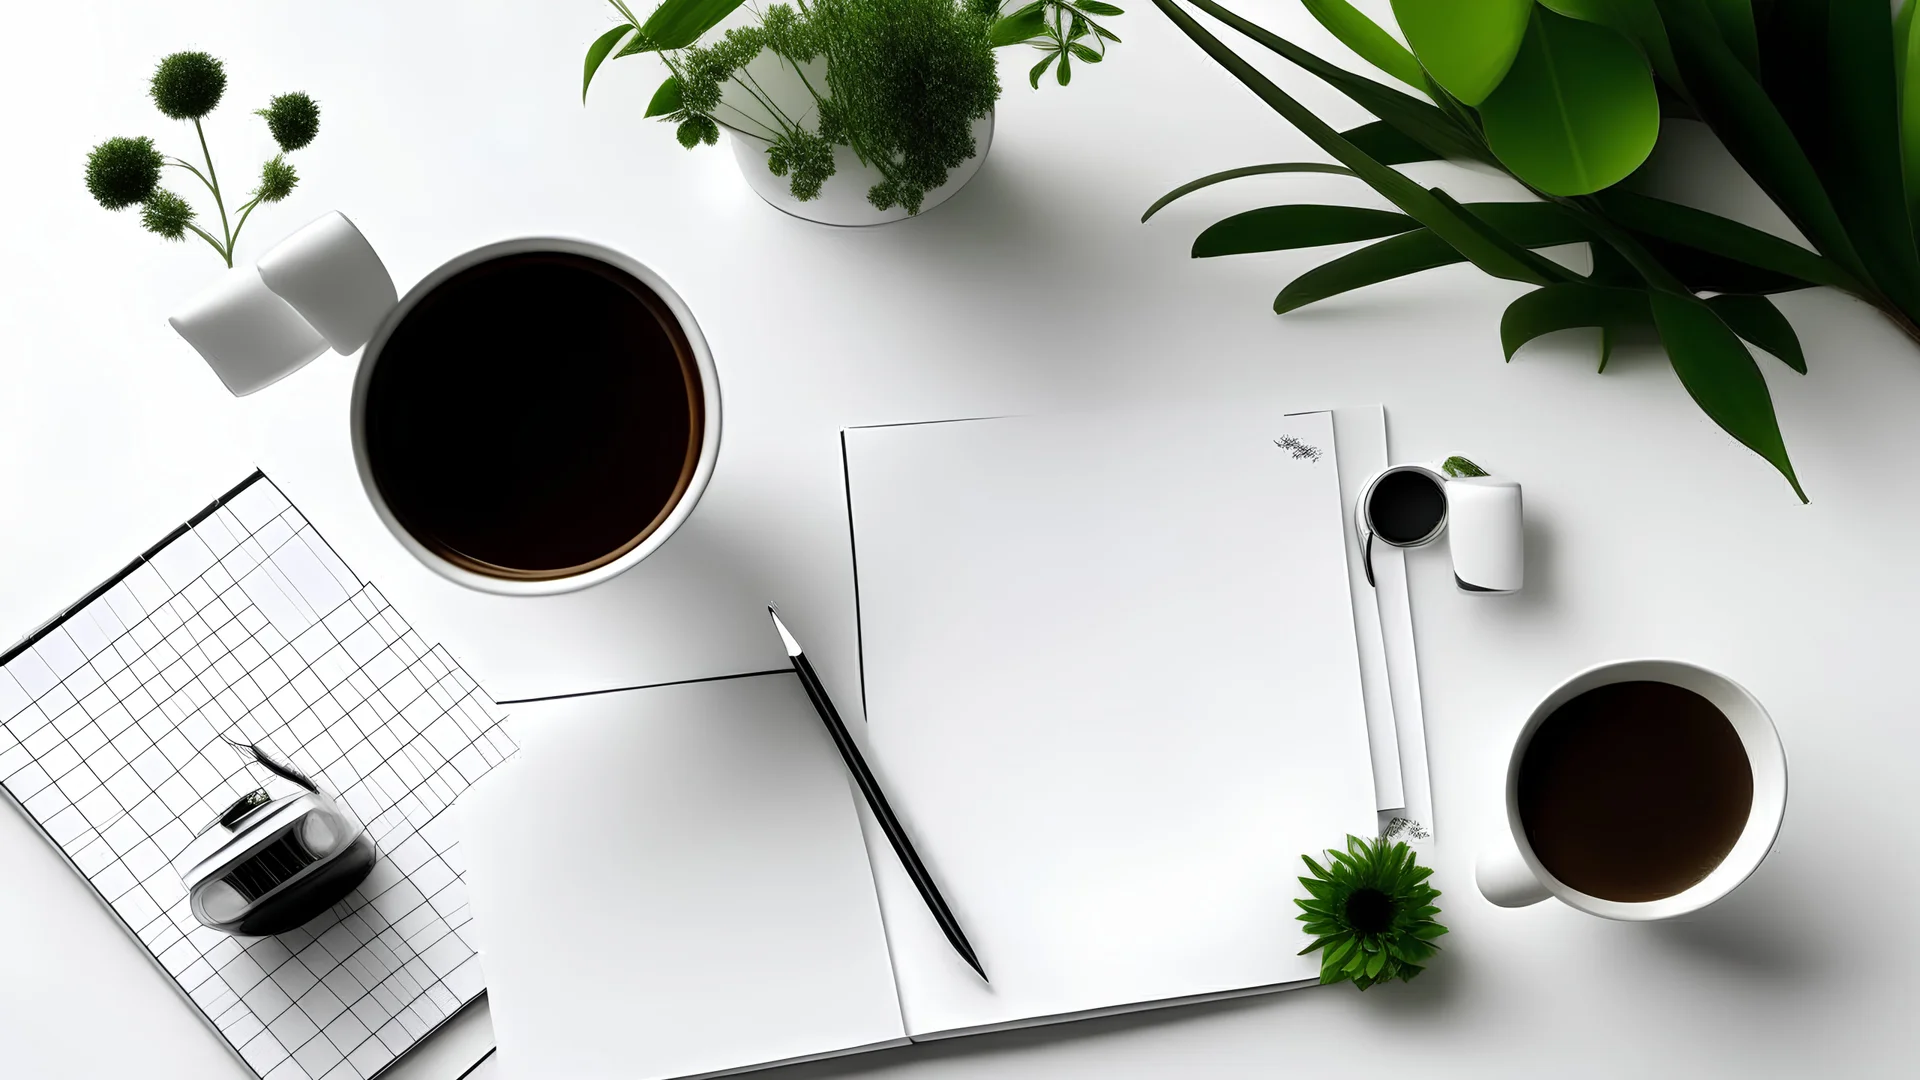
column 244, row 624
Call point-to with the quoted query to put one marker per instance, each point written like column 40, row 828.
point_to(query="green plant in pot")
column 906, row 86
column 1816, row 100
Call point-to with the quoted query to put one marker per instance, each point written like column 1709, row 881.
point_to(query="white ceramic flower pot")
column 843, row 198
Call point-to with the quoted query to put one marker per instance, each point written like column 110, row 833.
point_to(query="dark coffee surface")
column 534, row 415
column 1406, row 506
column 1635, row 791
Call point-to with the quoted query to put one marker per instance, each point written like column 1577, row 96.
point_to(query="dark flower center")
column 1369, row 911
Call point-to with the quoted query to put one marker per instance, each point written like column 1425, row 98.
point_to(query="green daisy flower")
column 1371, row 912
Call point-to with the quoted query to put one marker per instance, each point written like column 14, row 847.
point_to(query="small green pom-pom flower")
column 167, row 214
column 187, row 85
column 123, row 171
column 294, row 119
column 277, row 179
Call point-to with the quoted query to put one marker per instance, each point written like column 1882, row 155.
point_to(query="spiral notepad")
column 243, row 624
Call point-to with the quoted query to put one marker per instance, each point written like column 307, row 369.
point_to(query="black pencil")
column 876, row 799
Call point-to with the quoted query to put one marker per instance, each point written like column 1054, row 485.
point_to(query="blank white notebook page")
column 1112, row 686
column 671, row 882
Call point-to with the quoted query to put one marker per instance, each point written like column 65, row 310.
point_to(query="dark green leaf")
column 1861, row 160
column 1026, row 23
column 676, row 24
column 597, row 54
column 1064, row 72
column 1568, row 305
column 1429, row 931
column 1234, row 174
column 1076, row 28
column 1340, row 952
column 1040, row 69
column 1416, row 119
column 1529, row 224
column 1577, row 112
column 1735, row 18
column 1095, row 7
column 1466, row 45
column 1101, row 31
column 1282, row 228
column 1906, row 45
column 1729, row 98
column 1367, row 40
column 1703, row 271
column 1758, row 321
column 1418, row 203
column 1721, row 236
column 1722, row 378
column 1388, row 145
column 1639, row 20
column 1542, row 268
column 1085, row 54
column 666, row 99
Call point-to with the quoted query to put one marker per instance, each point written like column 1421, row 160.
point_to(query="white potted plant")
column 848, row 112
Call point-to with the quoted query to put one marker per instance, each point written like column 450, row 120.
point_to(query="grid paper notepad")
column 245, row 624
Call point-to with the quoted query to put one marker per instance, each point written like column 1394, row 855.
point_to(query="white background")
column 448, row 126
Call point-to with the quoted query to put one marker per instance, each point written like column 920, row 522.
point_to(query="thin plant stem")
column 243, row 213
column 213, row 181
column 189, row 166
column 204, row 235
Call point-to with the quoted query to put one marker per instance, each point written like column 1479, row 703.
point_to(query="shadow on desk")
column 1762, row 930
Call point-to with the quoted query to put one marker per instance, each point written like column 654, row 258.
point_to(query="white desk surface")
column 1649, row 531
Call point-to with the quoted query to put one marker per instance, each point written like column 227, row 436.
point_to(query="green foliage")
column 1367, row 40
column 1459, row 466
column 1063, row 31
column 166, row 214
column 1573, row 143
column 1466, row 45
column 906, row 78
column 123, row 171
column 1371, row 912
column 1817, row 100
column 277, row 179
column 293, row 120
column 904, row 81
column 188, row 85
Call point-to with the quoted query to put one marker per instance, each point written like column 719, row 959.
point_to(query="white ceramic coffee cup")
column 324, row 285
column 1510, row 875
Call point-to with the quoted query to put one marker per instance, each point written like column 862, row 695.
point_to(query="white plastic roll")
column 249, row 336
column 333, row 278
column 1486, row 534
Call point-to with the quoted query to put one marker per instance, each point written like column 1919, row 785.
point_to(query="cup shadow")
column 1761, row 930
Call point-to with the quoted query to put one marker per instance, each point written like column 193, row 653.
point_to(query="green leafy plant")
column 1063, row 31
column 124, row 172
column 1814, row 99
column 1371, row 913
column 898, row 82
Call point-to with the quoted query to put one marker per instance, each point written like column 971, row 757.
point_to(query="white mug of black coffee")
column 1410, row 506
column 1638, row 790
column 534, row 416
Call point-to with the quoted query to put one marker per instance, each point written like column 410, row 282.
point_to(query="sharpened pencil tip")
column 786, row 638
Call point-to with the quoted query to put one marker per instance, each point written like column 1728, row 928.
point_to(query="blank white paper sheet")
column 1112, row 686
column 670, row 881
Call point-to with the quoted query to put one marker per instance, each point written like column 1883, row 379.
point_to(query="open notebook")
column 1111, row 684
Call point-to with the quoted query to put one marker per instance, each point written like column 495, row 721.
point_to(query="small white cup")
column 1511, row 875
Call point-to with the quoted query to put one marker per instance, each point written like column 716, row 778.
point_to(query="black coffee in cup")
column 1634, row 791
column 1406, row 506
column 534, row 416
